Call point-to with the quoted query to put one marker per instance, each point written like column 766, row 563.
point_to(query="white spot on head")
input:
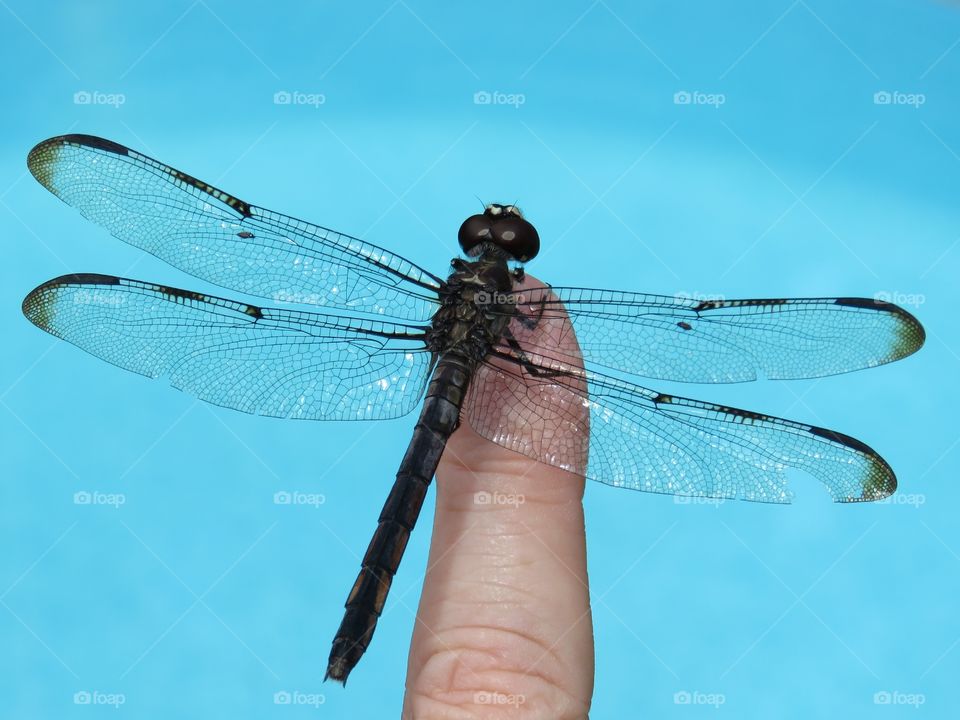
column 494, row 209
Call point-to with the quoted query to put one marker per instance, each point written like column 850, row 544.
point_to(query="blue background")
column 200, row 597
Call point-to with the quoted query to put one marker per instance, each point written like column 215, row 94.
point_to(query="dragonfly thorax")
column 476, row 304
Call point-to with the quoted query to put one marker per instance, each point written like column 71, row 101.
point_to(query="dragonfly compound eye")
column 502, row 226
column 473, row 233
column 516, row 236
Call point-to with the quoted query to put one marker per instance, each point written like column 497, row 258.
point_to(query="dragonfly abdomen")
column 438, row 419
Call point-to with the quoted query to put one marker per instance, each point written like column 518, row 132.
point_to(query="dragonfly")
column 352, row 331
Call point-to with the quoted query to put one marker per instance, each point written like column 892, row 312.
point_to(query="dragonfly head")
column 503, row 227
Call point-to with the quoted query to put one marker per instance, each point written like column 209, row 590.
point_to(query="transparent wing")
column 644, row 440
column 220, row 238
column 533, row 396
column 717, row 341
column 263, row 361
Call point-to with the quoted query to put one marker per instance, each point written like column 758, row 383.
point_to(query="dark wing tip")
column 42, row 157
column 45, row 146
column 910, row 334
column 879, row 482
column 77, row 279
column 37, row 305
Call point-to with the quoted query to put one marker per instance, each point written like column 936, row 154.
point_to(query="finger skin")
column 504, row 626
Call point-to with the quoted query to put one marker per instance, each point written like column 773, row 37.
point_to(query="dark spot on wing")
column 836, row 437
column 236, row 203
column 715, row 304
column 685, row 325
column 245, row 234
column 868, row 303
column 43, row 157
column 743, row 415
column 177, row 293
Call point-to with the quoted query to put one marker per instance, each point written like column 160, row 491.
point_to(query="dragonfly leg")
column 520, row 358
column 531, row 321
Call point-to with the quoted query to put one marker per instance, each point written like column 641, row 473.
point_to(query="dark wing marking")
column 264, row 361
column 644, row 440
column 227, row 241
column 719, row 341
